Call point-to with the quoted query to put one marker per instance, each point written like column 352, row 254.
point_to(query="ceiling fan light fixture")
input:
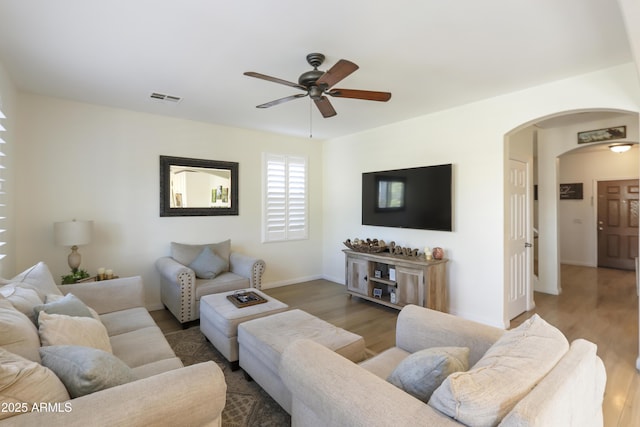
column 316, row 84
column 620, row 148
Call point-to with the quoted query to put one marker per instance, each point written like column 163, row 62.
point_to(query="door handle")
column 528, row 245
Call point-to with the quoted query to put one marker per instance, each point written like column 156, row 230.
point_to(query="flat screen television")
column 417, row 198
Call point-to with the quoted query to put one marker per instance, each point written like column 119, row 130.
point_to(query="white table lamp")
column 73, row 233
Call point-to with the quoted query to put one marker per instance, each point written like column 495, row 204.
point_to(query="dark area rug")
column 247, row 404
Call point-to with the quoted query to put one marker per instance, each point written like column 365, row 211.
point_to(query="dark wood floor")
column 600, row 305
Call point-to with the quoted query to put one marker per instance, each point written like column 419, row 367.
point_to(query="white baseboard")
column 578, row 263
column 270, row 285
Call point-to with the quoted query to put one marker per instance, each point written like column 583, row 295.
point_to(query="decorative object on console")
column 393, row 297
column 399, row 250
column 73, row 233
column 368, row 245
column 438, row 253
column 427, row 254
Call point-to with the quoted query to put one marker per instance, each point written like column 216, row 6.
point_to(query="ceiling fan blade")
column 339, row 71
column 282, row 100
column 325, row 107
column 274, row 79
column 360, row 94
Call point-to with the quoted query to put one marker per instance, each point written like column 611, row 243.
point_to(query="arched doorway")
column 539, row 144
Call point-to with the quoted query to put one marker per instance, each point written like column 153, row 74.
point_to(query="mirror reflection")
column 193, row 187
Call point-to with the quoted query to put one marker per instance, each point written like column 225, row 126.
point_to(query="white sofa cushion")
column 24, row 383
column 18, row 334
column 59, row 329
column 423, row 371
column 483, row 395
column 22, row 298
column 39, row 278
column 85, row 370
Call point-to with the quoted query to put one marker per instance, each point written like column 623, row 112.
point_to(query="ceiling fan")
column 317, row 84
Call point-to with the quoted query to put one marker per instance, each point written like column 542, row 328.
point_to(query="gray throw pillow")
column 69, row 305
column 423, row 371
column 208, row 265
column 84, row 370
column 185, row 254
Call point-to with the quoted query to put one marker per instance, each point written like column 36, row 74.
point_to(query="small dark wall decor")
column 600, row 135
column 571, row 191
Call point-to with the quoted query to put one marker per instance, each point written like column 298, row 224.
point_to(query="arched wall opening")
column 542, row 144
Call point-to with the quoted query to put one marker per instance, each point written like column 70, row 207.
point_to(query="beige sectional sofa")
column 156, row 390
column 529, row 376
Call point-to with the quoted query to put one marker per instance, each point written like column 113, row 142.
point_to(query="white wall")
column 472, row 138
column 102, row 164
column 577, row 219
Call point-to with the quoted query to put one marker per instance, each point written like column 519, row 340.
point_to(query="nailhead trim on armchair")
column 188, row 299
column 258, row 271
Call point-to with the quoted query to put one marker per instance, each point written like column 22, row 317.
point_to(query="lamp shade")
column 72, row 233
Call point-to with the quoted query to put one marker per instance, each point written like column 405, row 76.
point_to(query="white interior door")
column 519, row 259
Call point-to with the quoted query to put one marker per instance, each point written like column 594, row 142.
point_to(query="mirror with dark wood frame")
column 198, row 187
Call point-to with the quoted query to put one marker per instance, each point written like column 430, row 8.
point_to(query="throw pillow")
column 23, row 299
column 85, row 370
column 208, row 265
column 24, row 383
column 514, row 364
column 420, row 373
column 186, row 254
column 59, row 329
column 69, row 305
column 39, row 278
column 18, row 334
column 54, row 298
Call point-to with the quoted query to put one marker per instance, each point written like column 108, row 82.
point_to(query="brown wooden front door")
column 618, row 223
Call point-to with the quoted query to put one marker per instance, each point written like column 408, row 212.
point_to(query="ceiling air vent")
column 165, row 98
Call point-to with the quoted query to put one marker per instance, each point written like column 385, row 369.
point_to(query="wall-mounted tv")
column 419, row 198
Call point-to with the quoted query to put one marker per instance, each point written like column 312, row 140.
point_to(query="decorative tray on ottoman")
column 245, row 299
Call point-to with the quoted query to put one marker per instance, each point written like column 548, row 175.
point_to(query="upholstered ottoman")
column 219, row 320
column 263, row 340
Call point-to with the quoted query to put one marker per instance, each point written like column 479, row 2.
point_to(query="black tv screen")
column 417, row 198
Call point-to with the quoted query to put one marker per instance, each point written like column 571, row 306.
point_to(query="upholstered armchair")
column 192, row 271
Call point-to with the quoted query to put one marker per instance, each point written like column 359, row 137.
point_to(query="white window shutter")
column 3, row 206
column 284, row 198
column 297, row 198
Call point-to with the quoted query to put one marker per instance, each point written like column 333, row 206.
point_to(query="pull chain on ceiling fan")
column 317, row 84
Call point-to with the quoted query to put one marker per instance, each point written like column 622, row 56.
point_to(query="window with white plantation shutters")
column 284, row 198
column 3, row 206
